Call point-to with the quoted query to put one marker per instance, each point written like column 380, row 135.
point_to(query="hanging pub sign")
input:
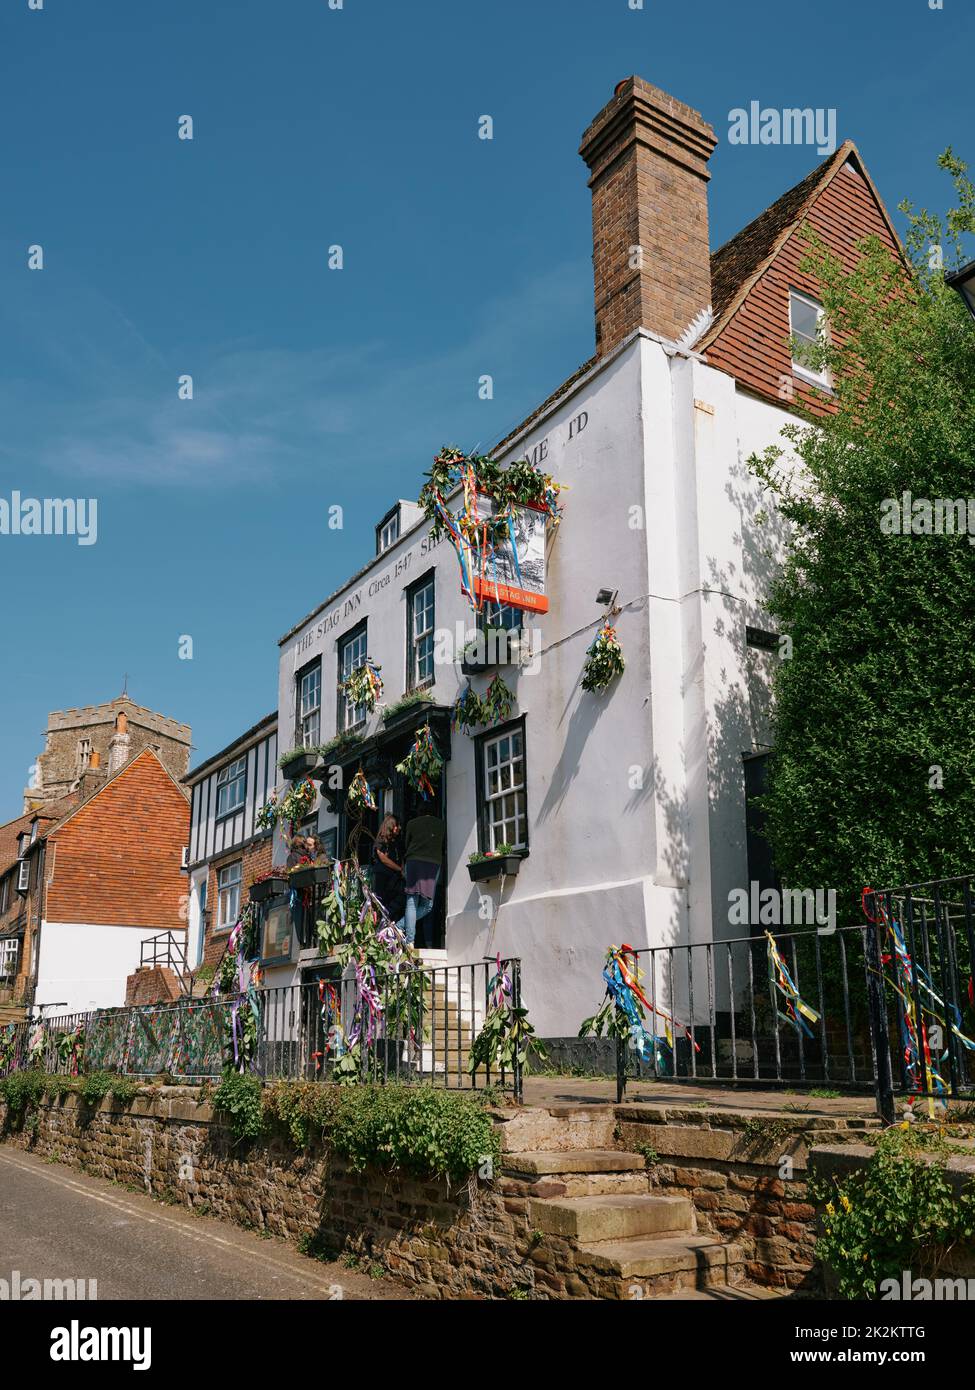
column 515, row 571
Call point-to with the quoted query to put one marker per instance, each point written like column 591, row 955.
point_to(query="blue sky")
column 312, row 387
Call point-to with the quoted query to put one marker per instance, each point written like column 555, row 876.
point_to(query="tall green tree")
column 872, row 780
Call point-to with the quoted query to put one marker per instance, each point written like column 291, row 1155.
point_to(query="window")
column 228, row 895
column 84, row 754
column 4, row 894
column 23, row 876
column 807, row 323
column 231, row 787
column 352, row 655
column 33, row 832
column 330, row 841
column 503, row 615
column 308, row 732
column 8, row 957
column 420, row 619
column 504, row 803
column 388, row 532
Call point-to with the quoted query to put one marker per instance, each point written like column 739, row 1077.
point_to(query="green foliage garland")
column 604, row 660
column 297, row 802
column 423, row 763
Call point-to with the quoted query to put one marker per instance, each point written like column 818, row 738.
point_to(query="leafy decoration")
column 604, row 660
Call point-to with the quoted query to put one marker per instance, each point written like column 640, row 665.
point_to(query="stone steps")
column 576, row 1173
column 641, row 1268
column 613, row 1217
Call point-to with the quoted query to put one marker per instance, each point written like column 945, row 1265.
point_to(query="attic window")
column 807, row 324
column 387, row 532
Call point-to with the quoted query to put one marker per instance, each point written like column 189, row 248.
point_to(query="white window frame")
column 229, row 878
column 4, row 893
column 422, row 641
column 84, row 754
column 505, row 805
column 9, row 952
column 356, row 644
column 232, row 787
column 309, row 723
column 23, row 875
column 389, row 532
column 807, row 373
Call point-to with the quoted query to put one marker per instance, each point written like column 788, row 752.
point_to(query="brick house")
column 227, row 850
column 98, row 881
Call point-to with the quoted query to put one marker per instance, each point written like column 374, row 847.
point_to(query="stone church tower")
column 83, row 747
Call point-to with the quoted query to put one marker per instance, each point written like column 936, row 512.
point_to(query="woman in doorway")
column 387, row 868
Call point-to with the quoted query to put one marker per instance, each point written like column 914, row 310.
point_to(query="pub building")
column 627, row 806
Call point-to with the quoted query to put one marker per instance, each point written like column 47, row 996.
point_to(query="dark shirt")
column 424, row 839
column 388, row 883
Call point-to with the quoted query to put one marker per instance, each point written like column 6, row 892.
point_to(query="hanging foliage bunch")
column 356, row 929
column 604, row 659
column 8, row 1047
column 475, row 536
column 297, row 802
column 364, row 686
column 267, row 816
column 35, row 1044
column 70, row 1047
column 498, row 702
column 506, row 1034
column 624, row 1009
column 240, row 976
column 360, row 797
column 467, row 710
column 423, row 763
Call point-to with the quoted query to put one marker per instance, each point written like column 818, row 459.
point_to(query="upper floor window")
column 388, row 532
column 231, row 787
column 8, row 957
column 23, row 840
column 504, row 801
column 23, row 876
column 420, row 617
column 4, row 894
column 228, row 895
column 807, row 324
column 308, row 732
column 352, row 655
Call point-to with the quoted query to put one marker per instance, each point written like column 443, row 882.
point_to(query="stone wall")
column 425, row 1232
column 746, row 1175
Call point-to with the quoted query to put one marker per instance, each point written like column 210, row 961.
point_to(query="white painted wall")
column 85, row 966
column 635, row 797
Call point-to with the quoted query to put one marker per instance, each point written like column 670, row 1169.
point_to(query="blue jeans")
column 416, row 909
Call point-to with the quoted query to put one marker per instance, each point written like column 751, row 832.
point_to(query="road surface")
column 58, row 1223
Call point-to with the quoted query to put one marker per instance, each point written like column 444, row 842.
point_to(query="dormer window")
column 807, row 324
column 387, row 532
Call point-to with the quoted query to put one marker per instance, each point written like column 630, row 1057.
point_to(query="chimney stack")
column 648, row 157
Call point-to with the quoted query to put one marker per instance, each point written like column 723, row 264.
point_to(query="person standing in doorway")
column 387, row 868
column 424, row 856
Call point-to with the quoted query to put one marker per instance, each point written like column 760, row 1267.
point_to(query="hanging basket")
column 604, row 660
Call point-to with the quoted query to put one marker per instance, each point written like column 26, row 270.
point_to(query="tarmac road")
column 58, row 1223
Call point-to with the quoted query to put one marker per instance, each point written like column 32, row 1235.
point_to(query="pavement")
column 58, row 1223
column 544, row 1091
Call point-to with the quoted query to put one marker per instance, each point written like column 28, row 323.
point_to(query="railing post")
column 516, row 1001
column 878, row 1027
column 621, row 1069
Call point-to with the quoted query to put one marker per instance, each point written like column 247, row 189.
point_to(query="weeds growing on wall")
column 899, row 1212
column 415, row 1129
column 24, row 1091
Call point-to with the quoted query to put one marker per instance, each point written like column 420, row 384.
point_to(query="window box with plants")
column 298, row 762
column 338, row 750
column 311, row 874
column 269, row 885
column 506, row 860
column 417, row 702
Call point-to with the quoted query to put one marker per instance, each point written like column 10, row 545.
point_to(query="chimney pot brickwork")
column 648, row 156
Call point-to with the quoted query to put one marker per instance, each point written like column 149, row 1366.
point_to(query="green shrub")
column 239, row 1097
column 23, row 1090
column 898, row 1212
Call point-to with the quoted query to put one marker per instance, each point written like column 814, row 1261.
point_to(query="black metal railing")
column 714, row 1013
column 168, row 950
column 922, row 947
column 422, row 1031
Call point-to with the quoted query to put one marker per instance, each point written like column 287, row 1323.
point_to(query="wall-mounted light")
column 607, row 596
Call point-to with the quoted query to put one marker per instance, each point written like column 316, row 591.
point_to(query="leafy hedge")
column 25, row 1090
column 416, row 1129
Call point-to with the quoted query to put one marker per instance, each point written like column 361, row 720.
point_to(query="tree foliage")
column 873, row 776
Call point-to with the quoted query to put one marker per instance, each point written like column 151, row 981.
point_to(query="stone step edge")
column 674, row 1253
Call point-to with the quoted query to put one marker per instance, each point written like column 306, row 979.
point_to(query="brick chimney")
column 648, row 157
